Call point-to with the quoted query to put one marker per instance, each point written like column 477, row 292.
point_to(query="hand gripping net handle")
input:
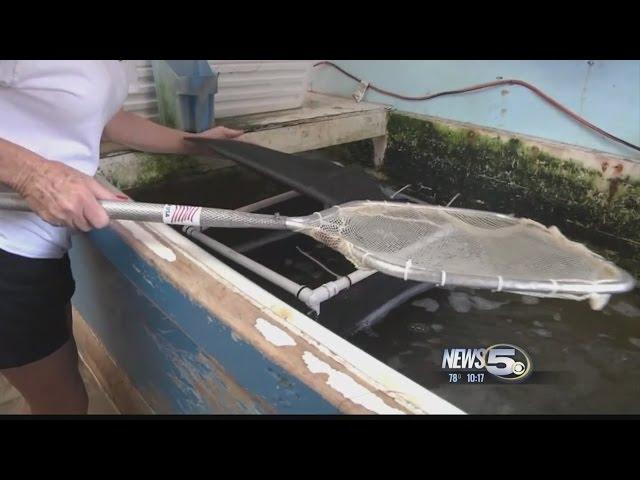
column 172, row 214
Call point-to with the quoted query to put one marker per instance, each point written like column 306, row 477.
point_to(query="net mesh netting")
column 421, row 240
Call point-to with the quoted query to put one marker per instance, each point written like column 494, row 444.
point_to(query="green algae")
column 507, row 176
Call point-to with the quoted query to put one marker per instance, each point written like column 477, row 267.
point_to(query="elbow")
column 110, row 131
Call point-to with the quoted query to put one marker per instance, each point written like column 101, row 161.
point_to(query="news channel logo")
column 503, row 362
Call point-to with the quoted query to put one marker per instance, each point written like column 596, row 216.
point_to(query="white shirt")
column 57, row 109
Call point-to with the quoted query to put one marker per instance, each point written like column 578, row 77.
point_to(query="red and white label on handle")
column 181, row 215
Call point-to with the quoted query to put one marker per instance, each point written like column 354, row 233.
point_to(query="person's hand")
column 220, row 133
column 215, row 133
column 63, row 196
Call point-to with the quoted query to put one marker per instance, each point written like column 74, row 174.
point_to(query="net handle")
column 170, row 214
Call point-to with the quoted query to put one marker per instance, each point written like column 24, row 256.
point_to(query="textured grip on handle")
column 190, row 215
column 215, row 217
column 170, row 214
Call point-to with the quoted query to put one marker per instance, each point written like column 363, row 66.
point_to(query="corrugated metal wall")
column 244, row 87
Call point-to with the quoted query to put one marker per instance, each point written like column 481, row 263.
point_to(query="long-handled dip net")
column 440, row 245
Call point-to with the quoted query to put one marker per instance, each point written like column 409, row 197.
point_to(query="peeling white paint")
column 273, row 334
column 405, row 391
column 348, row 387
column 149, row 240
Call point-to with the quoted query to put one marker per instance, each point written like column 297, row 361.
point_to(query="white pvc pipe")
column 315, row 297
column 311, row 297
column 267, row 202
column 274, row 277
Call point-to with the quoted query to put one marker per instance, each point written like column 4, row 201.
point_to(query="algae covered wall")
column 503, row 174
column 138, row 168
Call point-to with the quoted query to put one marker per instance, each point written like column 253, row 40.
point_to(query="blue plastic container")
column 185, row 90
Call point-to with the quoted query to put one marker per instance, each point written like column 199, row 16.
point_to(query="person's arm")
column 59, row 194
column 136, row 132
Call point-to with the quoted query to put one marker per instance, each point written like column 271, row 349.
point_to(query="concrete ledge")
column 322, row 121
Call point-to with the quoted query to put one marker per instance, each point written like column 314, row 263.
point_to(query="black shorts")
column 34, row 307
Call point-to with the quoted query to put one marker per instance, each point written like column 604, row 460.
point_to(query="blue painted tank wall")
column 605, row 92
